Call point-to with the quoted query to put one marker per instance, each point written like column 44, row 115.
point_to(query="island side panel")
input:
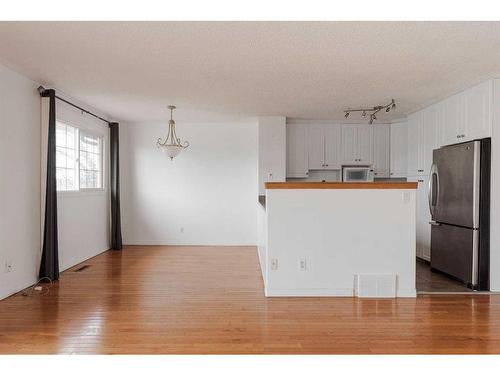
column 339, row 233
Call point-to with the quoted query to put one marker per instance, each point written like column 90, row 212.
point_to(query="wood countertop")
column 341, row 185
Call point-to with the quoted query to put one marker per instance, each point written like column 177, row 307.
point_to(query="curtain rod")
column 42, row 89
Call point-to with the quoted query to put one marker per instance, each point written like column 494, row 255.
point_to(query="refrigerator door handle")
column 433, row 190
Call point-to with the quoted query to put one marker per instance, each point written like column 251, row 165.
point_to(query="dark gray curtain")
column 116, row 230
column 49, row 266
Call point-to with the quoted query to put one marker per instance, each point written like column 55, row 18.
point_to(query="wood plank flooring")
column 210, row 300
column 434, row 282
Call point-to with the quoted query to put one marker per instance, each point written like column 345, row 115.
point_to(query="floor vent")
column 375, row 286
column 80, row 269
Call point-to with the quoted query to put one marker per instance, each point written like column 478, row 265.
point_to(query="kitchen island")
column 338, row 239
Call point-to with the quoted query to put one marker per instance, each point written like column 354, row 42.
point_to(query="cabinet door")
column 399, row 151
column 418, row 227
column 430, row 135
column 364, row 144
column 296, row 150
column 316, row 146
column 333, row 142
column 381, row 150
column 477, row 112
column 349, row 144
column 423, row 218
column 413, row 143
column 451, row 125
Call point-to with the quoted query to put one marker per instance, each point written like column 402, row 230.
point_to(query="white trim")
column 340, row 292
column 337, row 292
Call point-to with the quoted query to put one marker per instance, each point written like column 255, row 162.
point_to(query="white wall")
column 272, row 150
column 19, row 181
column 83, row 217
column 205, row 196
column 340, row 233
column 495, row 188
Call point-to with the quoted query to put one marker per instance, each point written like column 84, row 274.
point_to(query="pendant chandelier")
column 172, row 145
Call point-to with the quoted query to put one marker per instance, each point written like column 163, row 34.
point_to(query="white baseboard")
column 163, row 243
column 407, row 293
column 340, row 292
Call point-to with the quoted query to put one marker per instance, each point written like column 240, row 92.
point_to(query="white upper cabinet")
column 296, row 150
column 468, row 115
column 414, row 141
column 399, row 149
column 324, row 146
column 316, row 146
column 333, row 146
column 477, row 115
column 357, row 144
column 451, row 120
column 381, row 150
column 423, row 132
column 430, row 137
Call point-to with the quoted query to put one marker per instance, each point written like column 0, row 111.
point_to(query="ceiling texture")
column 216, row 71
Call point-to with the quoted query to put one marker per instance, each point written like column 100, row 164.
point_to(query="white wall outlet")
column 8, row 266
column 270, row 176
column 274, row 264
column 302, row 265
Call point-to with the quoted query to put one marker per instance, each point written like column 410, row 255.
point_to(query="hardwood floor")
column 434, row 282
column 210, row 300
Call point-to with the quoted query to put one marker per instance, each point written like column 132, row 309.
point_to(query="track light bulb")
column 363, row 114
column 374, row 117
column 346, row 115
column 387, row 109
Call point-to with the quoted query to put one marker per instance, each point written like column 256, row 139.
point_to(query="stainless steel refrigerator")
column 459, row 200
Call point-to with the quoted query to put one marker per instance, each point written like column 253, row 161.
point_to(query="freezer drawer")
column 455, row 252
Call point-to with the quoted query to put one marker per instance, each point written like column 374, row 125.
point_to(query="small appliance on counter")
column 357, row 173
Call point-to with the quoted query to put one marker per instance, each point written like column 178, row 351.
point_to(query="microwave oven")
column 357, row 173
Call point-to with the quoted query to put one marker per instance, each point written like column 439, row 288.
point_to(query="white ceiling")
column 222, row 70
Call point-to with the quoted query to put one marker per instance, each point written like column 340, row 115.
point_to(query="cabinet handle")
column 392, row 173
column 326, row 165
column 420, row 180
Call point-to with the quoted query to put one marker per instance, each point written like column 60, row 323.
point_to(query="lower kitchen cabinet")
column 423, row 217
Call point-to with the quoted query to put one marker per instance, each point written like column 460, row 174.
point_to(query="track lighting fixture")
column 372, row 111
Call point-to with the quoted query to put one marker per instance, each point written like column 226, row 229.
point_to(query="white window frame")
column 101, row 154
column 85, row 191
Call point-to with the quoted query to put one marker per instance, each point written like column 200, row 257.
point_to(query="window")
column 78, row 160
column 90, row 161
column 66, row 163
